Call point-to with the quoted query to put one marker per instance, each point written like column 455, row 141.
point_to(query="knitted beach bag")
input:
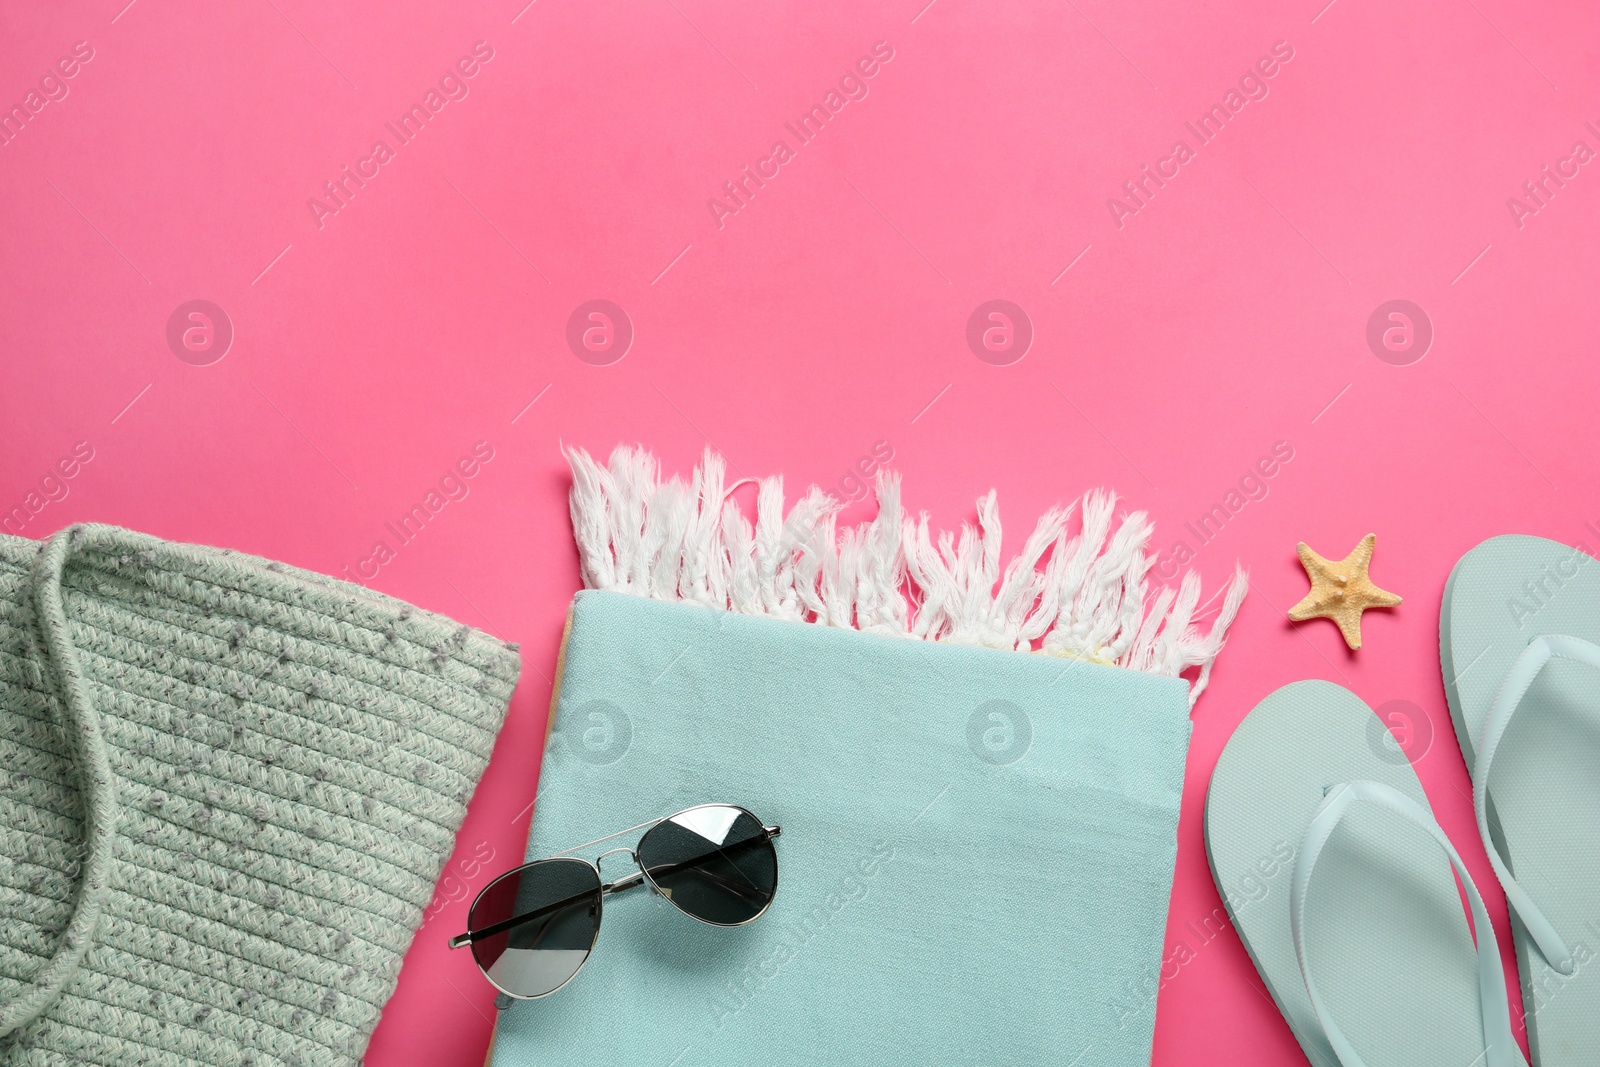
column 227, row 788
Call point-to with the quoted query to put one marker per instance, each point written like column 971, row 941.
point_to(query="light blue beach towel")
column 978, row 842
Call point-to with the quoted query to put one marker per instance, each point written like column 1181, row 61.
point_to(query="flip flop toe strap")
column 1500, row 1046
column 1518, row 680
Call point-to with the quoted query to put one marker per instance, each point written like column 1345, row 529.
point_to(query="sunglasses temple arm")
column 732, row 887
column 697, row 863
column 621, row 884
column 462, row 940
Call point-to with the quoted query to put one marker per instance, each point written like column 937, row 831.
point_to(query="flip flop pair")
column 1344, row 888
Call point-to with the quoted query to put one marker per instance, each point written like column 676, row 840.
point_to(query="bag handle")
column 96, row 786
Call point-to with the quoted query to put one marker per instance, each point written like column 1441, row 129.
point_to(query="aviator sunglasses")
column 532, row 929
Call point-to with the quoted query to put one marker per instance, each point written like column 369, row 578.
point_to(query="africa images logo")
column 999, row 332
column 1252, row 86
column 52, row 88
column 1399, row 332
column 1399, row 732
column 1538, row 191
column 199, row 332
column 999, row 732
column 737, row 192
column 599, row 332
column 452, row 85
column 599, row 733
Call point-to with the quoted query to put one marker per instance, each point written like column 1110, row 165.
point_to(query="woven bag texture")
column 227, row 788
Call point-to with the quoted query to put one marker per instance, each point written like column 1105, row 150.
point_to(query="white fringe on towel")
column 672, row 540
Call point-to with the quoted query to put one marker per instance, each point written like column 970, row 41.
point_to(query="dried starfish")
column 1341, row 590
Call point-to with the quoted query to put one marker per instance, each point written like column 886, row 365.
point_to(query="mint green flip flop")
column 1519, row 643
column 1338, row 880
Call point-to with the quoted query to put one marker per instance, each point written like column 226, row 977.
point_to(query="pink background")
column 828, row 314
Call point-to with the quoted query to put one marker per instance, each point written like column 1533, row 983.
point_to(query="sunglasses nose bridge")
column 599, row 860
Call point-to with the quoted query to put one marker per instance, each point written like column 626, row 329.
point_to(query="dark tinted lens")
column 541, row 921
column 714, row 862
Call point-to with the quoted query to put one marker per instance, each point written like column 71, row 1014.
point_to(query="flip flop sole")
column 1386, row 936
column 1545, row 797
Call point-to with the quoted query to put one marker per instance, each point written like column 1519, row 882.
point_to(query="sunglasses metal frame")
column 631, row 881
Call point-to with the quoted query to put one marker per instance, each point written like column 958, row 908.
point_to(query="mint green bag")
column 978, row 841
column 227, row 788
